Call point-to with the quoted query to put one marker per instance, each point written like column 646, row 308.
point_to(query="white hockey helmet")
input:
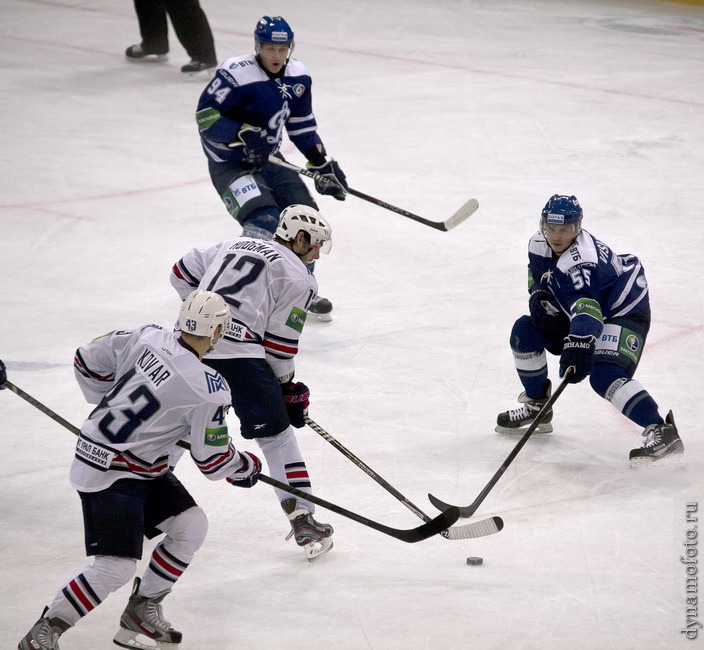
column 201, row 314
column 301, row 217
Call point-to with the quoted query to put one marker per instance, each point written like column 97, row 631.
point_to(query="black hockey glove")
column 257, row 144
column 3, row 375
column 578, row 351
column 248, row 473
column 297, row 399
column 546, row 313
column 333, row 181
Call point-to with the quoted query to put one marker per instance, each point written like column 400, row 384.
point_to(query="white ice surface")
column 425, row 103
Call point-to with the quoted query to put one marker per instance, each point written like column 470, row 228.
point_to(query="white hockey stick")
column 466, row 211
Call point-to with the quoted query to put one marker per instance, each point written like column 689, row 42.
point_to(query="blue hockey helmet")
column 562, row 210
column 272, row 30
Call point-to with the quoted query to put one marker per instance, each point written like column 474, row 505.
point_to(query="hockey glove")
column 257, row 145
column 578, row 351
column 248, row 473
column 333, row 181
column 3, row 375
column 546, row 314
column 296, row 397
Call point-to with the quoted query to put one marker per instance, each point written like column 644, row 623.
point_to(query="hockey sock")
column 83, row 593
column 286, row 464
column 185, row 534
column 629, row 397
column 532, row 370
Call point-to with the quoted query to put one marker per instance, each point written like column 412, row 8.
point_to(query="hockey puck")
column 474, row 561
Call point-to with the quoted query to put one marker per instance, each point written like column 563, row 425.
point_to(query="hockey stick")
column 468, row 511
column 469, row 531
column 466, row 211
column 430, row 528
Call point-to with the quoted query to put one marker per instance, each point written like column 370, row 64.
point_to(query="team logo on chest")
column 284, row 89
column 546, row 277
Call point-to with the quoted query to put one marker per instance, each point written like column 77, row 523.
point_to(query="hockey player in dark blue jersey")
column 241, row 116
column 590, row 306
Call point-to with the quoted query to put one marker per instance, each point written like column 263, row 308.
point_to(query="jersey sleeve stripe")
column 180, row 271
column 80, row 365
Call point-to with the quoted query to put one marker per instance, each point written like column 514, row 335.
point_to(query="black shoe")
column 197, row 66
column 136, row 53
column 660, row 440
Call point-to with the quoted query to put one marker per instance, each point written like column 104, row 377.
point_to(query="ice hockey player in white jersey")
column 152, row 392
column 591, row 307
column 268, row 289
column 241, row 117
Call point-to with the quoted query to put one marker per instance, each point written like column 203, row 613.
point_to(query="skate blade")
column 541, row 429
column 316, row 550
column 129, row 639
column 673, row 461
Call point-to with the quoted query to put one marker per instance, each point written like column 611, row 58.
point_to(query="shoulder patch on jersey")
column 297, row 319
column 243, row 70
column 115, row 332
column 299, row 90
column 218, row 437
column 215, row 381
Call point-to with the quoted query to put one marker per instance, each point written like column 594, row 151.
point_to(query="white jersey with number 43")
column 151, row 392
column 268, row 288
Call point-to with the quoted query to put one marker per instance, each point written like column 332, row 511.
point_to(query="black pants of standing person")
column 190, row 24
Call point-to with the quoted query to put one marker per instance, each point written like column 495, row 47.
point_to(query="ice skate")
column 44, row 634
column 321, row 308
column 661, row 440
column 142, row 624
column 518, row 420
column 136, row 54
column 198, row 70
column 314, row 537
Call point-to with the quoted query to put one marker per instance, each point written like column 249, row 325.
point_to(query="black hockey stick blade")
column 469, row 531
column 468, row 511
column 433, row 527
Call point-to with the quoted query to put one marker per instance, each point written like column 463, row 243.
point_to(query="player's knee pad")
column 262, row 223
column 525, row 336
column 187, row 531
column 606, row 378
column 111, row 572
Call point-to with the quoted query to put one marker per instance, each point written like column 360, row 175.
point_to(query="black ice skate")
column 314, row 537
column 44, row 634
column 198, row 69
column 321, row 308
column 661, row 440
column 518, row 420
column 138, row 55
column 143, row 618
